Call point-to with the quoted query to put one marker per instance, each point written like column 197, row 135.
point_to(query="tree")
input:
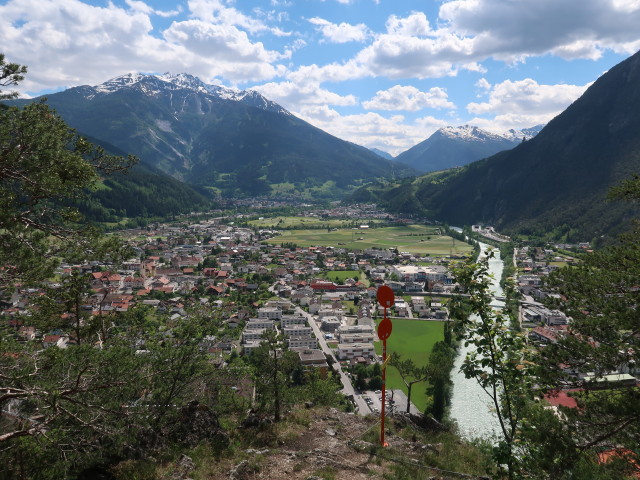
column 600, row 295
column 409, row 372
column 69, row 402
column 498, row 361
column 273, row 365
column 44, row 168
column 10, row 74
column 72, row 404
column 438, row 371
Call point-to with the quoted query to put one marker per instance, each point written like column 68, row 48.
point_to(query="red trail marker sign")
column 386, row 299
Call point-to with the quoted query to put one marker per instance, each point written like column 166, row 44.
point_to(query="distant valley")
column 228, row 142
column 198, row 142
column 555, row 184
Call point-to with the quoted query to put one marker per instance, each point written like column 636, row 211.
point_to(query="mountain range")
column 555, row 183
column 230, row 142
column 457, row 146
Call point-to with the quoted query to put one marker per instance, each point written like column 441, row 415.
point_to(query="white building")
column 273, row 313
column 347, row 351
column 302, row 341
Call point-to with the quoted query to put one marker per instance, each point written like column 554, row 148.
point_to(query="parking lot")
column 396, row 401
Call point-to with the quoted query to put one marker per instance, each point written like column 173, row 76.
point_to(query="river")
column 471, row 407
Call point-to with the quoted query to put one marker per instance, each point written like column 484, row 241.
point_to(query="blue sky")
column 380, row 73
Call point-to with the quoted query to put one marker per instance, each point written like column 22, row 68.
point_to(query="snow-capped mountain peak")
column 183, row 80
column 117, row 83
column 155, row 84
column 472, row 133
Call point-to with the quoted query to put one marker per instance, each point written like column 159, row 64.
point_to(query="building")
column 302, row 341
column 273, row 313
column 347, row 351
column 291, row 320
column 313, row 358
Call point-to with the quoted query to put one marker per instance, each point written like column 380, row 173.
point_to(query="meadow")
column 412, row 339
column 308, row 222
column 416, row 239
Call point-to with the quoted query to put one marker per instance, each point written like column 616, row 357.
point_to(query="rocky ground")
column 322, row 444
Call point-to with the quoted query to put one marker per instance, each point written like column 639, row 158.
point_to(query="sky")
column 384, row 74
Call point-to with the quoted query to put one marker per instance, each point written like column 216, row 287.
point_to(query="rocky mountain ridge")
column 233, row 143
column 451, row 146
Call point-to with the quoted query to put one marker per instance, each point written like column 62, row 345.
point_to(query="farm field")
column 417, row 239
column 306, row 222
column 413, row 339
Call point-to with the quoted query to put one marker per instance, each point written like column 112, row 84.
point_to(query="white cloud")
column 398, row 56
column 408, row 98
column 224, row 42
column 340, row 33
column 313, row 104
column 391, row 134
column 483, row 84
column 515, row 30
column 528, row 96
column 415, row 24
column 524, row 103
column 333, row 72
column 295, row 97
column 68, row 42
column 216, row 12
column 627, row 6
column 142, row 7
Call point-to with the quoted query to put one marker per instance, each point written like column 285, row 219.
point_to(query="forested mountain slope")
column 556, row 182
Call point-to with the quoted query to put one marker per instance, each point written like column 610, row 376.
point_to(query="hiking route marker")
column 386, row 299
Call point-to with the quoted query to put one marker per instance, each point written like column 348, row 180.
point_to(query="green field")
column 341, row 275
column 306, row 222
column 417, row 239
column 412, row 339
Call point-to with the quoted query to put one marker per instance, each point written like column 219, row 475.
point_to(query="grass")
column 412, row 339
column 416, row 239
column 306, row 222
column 342, row 275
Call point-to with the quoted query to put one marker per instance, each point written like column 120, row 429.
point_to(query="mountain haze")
column 556, row 182
column 382, row 153
column 234, row 142
column 457, row 146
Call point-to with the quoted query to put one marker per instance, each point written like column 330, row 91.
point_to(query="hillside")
column 325, row 443
column 143, row 191
column 233, row 142
column 457, row 146
column 556, row 182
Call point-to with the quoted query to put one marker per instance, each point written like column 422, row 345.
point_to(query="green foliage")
column 141, row 192
column 44, row 165
column 229, row 146
column 10, row 74
column 600, row 295
column 550, row 186
column 439, row 374
column 273, row 365
column 498, row 359
column 409, row 372
column 97, row 399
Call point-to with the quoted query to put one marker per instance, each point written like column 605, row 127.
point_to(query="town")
column 247, row 283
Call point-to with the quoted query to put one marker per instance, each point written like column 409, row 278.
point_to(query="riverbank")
column 471, row 408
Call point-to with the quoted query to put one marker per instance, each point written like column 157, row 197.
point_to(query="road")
column 359, row 398
column 347, row 387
